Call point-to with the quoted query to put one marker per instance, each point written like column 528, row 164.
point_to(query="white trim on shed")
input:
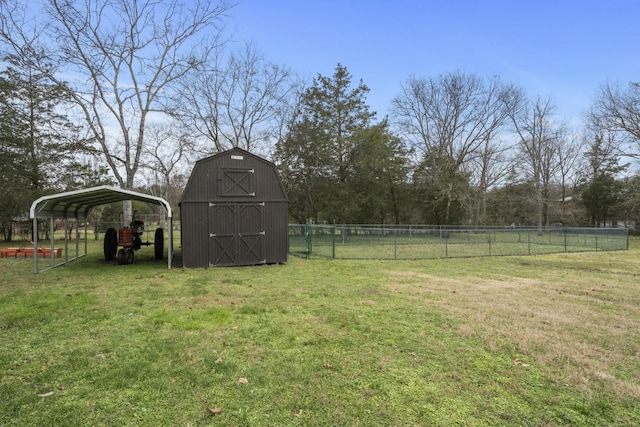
column 77, row 204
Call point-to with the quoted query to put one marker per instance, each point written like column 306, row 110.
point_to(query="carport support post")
column 66, row 238
column 170, row 251
column 53, row 242
column 34, row 235
column 78, row 234
column 86, row 228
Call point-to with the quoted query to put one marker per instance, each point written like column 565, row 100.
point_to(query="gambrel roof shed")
column 234, row 212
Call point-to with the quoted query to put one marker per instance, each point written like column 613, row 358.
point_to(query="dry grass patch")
column 579, row 324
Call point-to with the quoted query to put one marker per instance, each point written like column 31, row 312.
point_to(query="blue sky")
column 559, row 48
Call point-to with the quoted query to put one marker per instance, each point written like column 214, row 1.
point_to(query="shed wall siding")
column 194, row 234
column 277, row 238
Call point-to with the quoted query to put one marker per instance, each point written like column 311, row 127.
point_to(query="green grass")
column 547, row 340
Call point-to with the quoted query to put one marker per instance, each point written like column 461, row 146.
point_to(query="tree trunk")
column 127, row 212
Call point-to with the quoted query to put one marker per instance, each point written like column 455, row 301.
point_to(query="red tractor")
column 130, row 238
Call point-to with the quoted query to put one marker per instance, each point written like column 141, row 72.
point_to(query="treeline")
column 458, row 149
column 92, row 95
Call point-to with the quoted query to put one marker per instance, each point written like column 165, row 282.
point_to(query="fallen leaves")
column 218, row 410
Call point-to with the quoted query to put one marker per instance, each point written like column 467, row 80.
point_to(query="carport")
column 77, row 205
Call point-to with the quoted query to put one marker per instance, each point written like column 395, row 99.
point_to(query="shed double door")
column 236, row 234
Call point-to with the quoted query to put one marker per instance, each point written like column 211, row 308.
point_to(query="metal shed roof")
column 78, row 203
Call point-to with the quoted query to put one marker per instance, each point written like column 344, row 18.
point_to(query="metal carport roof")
column 77, row 204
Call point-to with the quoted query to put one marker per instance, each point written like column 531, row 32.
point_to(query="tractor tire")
column 122, row 257
column 110, row 244
column 158, row 243
column 129, row 255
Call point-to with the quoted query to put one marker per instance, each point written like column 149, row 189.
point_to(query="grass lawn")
column 544, row 340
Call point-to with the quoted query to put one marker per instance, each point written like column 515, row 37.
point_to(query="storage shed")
column 234, row 212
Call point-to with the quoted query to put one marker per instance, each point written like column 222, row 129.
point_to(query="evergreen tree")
column 336, row 163
column 37, row 140
column 601, row 196
column 378, row 187
column 14, row 179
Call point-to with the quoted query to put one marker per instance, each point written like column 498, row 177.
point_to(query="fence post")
column 627, row 239
column 564, row 231
column 529, row 240
column 308, row 232
column 446, row 246
column 489, row 240
column 333, row 240
column 395, row 244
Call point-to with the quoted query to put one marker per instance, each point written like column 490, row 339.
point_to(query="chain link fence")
column 429, row 242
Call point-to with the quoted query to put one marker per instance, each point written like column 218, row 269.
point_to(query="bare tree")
column 602, row 139
column 487, row 170
column 168, row 149
column 450, row 119
column 618, row 109
column 570, row 152
column 538, row 139
column 237, row 103
column 120, row 59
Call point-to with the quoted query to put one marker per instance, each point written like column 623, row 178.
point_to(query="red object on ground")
column 29, row 252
